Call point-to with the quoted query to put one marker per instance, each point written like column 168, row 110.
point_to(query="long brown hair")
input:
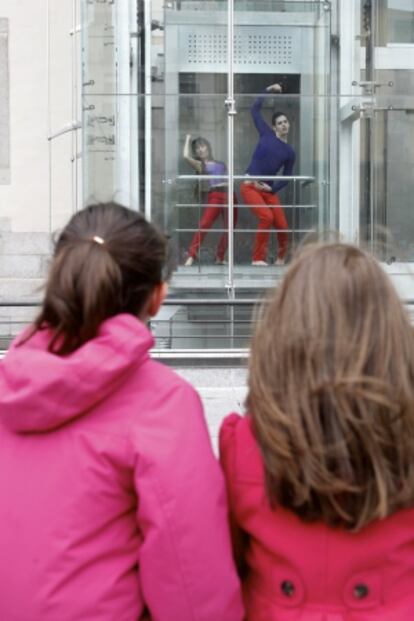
column 331, row 390
column 107, row 260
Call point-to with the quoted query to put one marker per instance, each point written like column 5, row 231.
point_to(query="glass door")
column 281, row 144
column 190, row 165
column 387, row 123
column 191, row 170
column 168, row 91
column 204, row 88
column 393, row 185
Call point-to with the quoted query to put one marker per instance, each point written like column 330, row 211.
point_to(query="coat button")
column 288, row 588
column 360, row 590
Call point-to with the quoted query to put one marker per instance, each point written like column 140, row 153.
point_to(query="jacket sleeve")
column 186, row 570
column 287, row 171
column 227, row 447
column 256, row 110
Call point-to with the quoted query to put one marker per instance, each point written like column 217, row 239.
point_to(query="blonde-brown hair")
column 331, row 390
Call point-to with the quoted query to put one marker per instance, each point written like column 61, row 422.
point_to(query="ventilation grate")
column 253, row 49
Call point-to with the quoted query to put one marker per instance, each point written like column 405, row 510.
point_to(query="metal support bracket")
column 365, row 110
column 371, row 86
column 64, row 130
column 230, row 104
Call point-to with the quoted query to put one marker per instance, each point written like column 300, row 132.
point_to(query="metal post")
column 148, row 109
column 295, row 217
column 231, row 111
column 74, row 155
column 370, row 123
column 48, row 119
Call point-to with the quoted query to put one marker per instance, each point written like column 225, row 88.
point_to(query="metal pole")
column 148, row 109
column 295, row 217
column 231, row 111
column 48, row 119
column 369, row 122
column 74, row 108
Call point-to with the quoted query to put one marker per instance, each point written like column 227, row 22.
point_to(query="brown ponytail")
column 107, row 261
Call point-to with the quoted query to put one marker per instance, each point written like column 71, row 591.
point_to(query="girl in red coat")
column 320, row 473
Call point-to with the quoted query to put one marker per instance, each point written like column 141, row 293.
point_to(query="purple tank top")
column 215, row 168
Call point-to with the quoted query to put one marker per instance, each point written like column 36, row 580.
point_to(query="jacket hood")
column 40, row 391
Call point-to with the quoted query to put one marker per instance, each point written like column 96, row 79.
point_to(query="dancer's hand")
column 261, row 185
column 274, row 88
column 189, row 156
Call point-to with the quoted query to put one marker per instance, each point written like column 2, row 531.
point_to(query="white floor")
column 222, row 391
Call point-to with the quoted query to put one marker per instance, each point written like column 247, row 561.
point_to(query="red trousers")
column 266, row 207
column 217, row 202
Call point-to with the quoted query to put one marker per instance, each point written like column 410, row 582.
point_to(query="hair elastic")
column 98, row 239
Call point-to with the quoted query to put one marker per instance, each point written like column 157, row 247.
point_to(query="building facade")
column 101, row 95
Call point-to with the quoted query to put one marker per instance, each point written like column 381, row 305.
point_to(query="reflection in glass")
column 156, row 80
column 400, row 21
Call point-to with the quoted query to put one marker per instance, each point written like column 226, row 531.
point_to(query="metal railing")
column 230, row 229
column 174, row 329
column 184, row 353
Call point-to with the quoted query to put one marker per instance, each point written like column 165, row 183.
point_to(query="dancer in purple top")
column 199, row 155
column 270, row 155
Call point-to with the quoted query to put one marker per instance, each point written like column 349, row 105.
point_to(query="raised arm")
column 256, row 109
column 287, row 171
column 196, row 164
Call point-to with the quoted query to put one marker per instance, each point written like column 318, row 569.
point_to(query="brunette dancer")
column 198, row 154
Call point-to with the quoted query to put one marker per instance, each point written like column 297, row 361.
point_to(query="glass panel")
column 4, row 103
column 109, row 103
column 204, row 324
column 399, row 21
column 189, row 185
column 287, row 45
column 393, row 183
column 190, row 194
column 189, row 126
column 137, row 123
column 386, row 127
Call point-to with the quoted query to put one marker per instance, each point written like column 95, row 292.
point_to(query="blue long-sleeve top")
column 270, row 153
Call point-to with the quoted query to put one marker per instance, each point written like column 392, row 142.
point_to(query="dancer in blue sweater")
column 270, row 155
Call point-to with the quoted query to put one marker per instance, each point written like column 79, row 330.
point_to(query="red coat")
column 310, row 572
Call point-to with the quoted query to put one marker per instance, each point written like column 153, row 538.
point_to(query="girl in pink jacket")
column 112, row 506
column 320, row 473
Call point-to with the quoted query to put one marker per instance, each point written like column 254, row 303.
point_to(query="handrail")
column 202, row 354
column 210, row 302
column 176, row 302
column 238, row 230
column 285, row 206
column 247, row 177
column 167, row 302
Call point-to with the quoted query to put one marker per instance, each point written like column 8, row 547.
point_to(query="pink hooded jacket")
column 112, row 505
column 298, row 571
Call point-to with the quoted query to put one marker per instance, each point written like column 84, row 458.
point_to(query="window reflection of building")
column 4, row 103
